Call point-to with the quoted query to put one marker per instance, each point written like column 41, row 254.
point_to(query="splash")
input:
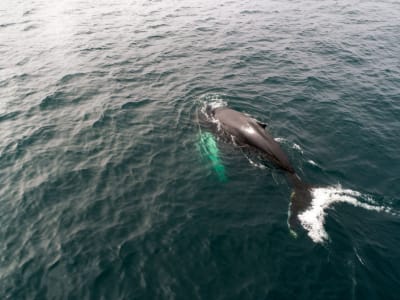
column 313, row 219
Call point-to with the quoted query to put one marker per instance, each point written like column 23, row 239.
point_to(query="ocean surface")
column 105, row 194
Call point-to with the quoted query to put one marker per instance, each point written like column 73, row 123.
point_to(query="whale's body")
column 245, row 131
column 248, row 131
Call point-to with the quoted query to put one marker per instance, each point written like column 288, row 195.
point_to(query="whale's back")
column 248, row 131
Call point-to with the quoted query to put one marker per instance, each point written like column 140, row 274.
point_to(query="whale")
column 245, row 131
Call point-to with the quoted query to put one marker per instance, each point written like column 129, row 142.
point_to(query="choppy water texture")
column 105, row 195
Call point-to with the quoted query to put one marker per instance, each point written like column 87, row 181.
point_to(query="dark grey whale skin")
column 247, row 131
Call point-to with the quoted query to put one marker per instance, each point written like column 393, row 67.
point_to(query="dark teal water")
column 104, row 194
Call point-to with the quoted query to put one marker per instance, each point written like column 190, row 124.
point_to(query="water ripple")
column 104, row 194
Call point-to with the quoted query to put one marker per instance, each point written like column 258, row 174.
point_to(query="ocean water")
column 105, row 195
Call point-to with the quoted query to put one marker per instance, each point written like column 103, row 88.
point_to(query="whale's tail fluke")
column 300, row 199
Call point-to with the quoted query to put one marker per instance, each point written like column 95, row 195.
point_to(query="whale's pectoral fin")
column 209, row 149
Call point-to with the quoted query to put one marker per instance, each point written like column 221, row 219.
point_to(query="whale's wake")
column 313, row 219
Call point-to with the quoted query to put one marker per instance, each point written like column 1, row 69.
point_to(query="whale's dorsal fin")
column 263, row 125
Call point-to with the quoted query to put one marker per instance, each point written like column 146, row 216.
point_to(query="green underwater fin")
column 209, row 149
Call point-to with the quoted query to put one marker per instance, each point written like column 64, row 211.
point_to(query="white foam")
column 313, row 219
column 213, row 100
column 312, row 162
column 255, row 164
column 217, row 103
column 280, row 140
column 297, row 147
column 292, row 145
